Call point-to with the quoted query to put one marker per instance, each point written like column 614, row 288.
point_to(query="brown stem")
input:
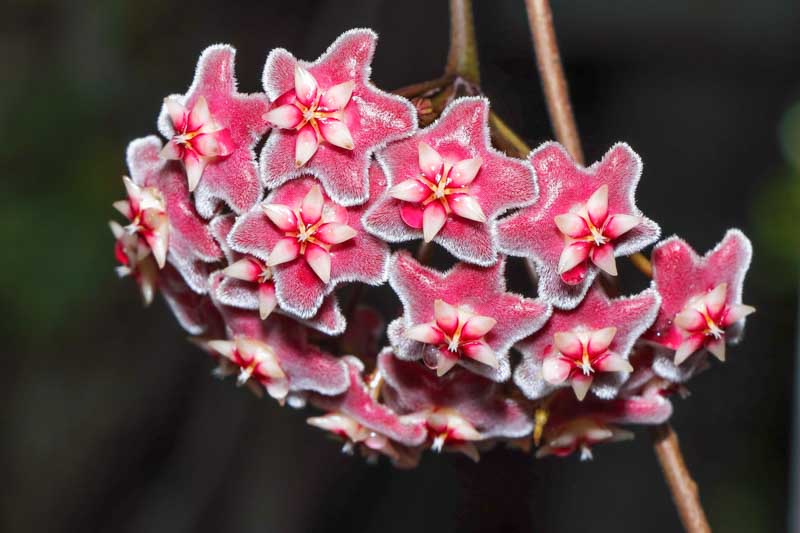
column 462, row 59
column 665, row 441
column 420, row 88
column 554, row 84
column 505, row 138
column 680, row 482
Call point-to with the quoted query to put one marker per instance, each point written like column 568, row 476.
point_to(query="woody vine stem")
column 462, row 77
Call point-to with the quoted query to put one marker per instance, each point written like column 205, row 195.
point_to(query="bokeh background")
column 110, row 421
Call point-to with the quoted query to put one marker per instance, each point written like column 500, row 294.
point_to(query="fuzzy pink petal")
column 597, row 206
column 410, row 190
column 336, row 133
column 603, row 257
column 433, row 218
column 320, row 262
column 476, row 327
column 482, row 290
column 282, row 216
column 465, row 171
column 373, row 118
column 619, row 224
column 285, row 250
column 630, row 316
column 232, row 179
column 311, row 209
column 338, row 96
column 285, row 116
column 565, row 184
column 680, row 274
column 468, row 207
column 502, row 183
column 305, row 86
column 572, row 225
column 574, row 254
column 430, row 162
column 305, row 146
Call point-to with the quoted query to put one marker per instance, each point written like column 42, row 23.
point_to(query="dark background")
column 110, row 421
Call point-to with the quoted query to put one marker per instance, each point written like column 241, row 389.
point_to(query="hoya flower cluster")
column 251, row 253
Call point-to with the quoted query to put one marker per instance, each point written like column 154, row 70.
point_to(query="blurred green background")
column 110, row 419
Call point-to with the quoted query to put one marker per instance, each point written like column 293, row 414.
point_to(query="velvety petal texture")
column 191, row 245
column 232, row 176
column 553, row 234
column 412, row 388
column 701, row 296
column 306, row 367
column 474, row 290
column 339, row 154
column 464, row 186
column 299, row 286
column 243, row 284
column 630, row 317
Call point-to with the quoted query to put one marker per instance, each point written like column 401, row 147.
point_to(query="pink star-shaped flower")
column 306, row 367
column 310, row 243
column 460, row 409
column 701, row 296
column 359, row 419
column 146, row 212
column 448, row 184
column 246, row 282
column 574, row 425
column 328, row 118
column 595, row 337
column 191, row 246
column 135, row 260
column 583, row 219
column 213, row 130
column 462, row 316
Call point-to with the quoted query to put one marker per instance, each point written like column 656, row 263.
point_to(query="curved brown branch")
column 665, row 441
column 681, row 485
column 462, row 59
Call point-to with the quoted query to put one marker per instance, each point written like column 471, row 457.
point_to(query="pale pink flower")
column 246, row 282
column 461, row 410
column 701, row 298
column 311, row 244
column 464, row 316
column 359, row 419
column 583, row 219
column 576, row 345
column 146, row 212
column 213, row 130
column 191, row 247
column 328, row 118
column 447, row 184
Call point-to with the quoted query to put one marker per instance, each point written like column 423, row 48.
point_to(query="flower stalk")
column 665, row 441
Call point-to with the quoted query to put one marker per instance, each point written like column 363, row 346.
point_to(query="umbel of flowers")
column 253, row 254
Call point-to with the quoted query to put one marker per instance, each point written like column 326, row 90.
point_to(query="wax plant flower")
column 254, row 258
